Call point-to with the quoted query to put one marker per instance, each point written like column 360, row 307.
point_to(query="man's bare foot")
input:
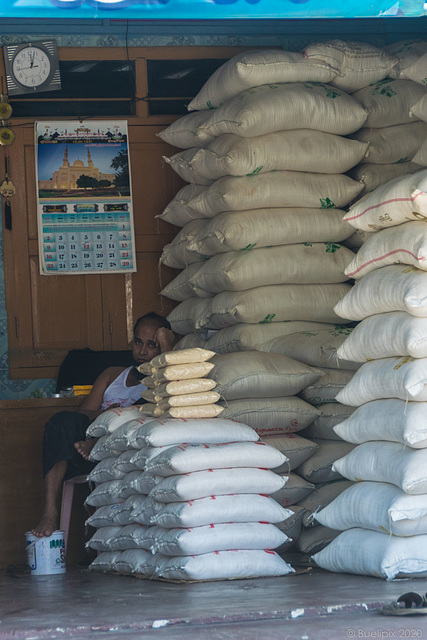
column 47, row 525
column 84, row 447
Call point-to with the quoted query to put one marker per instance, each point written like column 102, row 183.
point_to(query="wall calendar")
column 84, row 199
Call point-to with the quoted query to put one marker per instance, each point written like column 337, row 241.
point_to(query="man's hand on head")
column 165, row 338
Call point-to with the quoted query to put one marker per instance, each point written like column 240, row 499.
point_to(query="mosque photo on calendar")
column 74, row 169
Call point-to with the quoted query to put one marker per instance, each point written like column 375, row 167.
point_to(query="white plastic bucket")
column 46, row 555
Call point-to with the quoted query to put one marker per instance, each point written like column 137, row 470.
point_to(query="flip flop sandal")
column 408, row 604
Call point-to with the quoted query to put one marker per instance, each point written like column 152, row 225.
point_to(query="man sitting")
column 65, row 448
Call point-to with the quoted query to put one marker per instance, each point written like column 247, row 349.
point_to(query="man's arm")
column 166, row 339
column 91, row 405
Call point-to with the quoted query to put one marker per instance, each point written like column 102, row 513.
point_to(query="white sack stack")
column 173, row 510
column 387, row 428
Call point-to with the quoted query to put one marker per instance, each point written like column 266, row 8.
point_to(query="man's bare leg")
column 52, row 486
column 84, row 447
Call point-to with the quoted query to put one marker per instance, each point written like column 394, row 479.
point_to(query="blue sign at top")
column 211, row 9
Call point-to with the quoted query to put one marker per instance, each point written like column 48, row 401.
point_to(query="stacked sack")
column 186, row 500
column 389, row 390
column 266, row 169
column 178, row 386
column 262, row 222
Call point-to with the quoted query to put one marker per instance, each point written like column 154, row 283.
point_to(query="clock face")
column 31, row 67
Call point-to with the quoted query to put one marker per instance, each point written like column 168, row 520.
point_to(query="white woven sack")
column 104, row 494
column 273, row 303
column 320, row 467
column 295, row 489
column 295, row 105
column 355, row 241
column 184, row 317
column 255, row 374
column 178, row 211
column 315, row 348
column 110, row 420
column 103, row 539
column 384, row 335
column 101, row 449
column 308, row 263
column 105, row 470
column 118, row 441
column 278, row 415
column 392, row 462
column 184, row 132
column 177, row 254
column 239, row 507
column 136, row 561
column 295, row 448
column 271, row 189
column 407, row 52
column 145, row 509
column 294, row 150
column 253, row 68
column 388, row 102
column 372, row 553
column 198, row 457
column 136, row 482
column 131, row 536
column 123, row 462
column 237, row 230
column 182, row 164
column 123, row 515
column 420, row 158
column 180, row 387
column 392, row 288
column 372, row 505
column 358, row 64
column 180, row 288
column 215, row 431
column 319, row 498
column 419, row 109
column 222, row 565
column 417, row 71
column 399, row 143
column 373, row 175
column 332, row 414
column 404, row 378
column 200, row 484
column 393, row 203
column 103, row 516
column 325, row 389
column 105, row 561
column 405, row 243
column 217, row 537
column 390, row 419
column 142, row 455
column 250, row 337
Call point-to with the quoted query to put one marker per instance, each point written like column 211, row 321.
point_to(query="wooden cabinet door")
column 154, row 184
column 47, row 315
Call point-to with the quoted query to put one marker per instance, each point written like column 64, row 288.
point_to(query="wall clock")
column 32, row 67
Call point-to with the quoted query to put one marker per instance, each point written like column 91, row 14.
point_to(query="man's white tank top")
column 119, row 393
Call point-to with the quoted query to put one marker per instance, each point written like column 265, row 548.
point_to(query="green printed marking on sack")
column 309, row 334
column 204, row 258
column 268, row 318
column 384, row 88
column 210, row 105
column 331, row 247
column 256, row 171
column 248, row 247
column 340, row 330
column 307, row 244
column 326, row 203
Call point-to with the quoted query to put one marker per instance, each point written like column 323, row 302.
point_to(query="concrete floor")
column 313, row 605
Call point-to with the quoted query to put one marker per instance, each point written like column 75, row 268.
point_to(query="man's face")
column 145, row 346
